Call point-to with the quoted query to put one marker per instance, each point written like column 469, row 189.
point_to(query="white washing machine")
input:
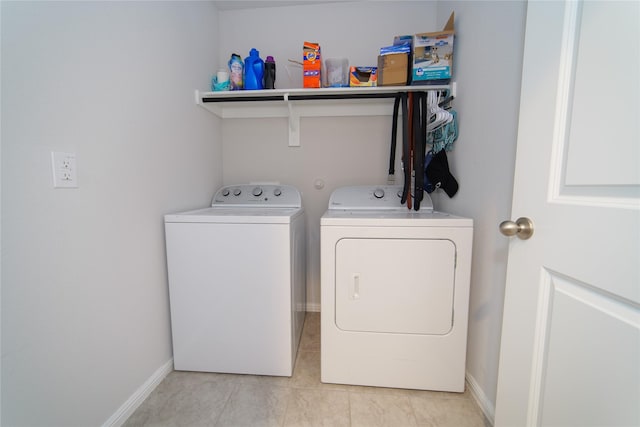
column 237, row 281
column 395, row 292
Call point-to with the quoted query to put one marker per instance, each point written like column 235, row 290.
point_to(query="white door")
column 570, row 353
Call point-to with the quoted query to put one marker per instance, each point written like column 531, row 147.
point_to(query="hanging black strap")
column 406, row 150
column 394, row 134
column 416, row 149
column 420, row 138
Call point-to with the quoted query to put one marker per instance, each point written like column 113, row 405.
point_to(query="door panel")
column 580, row 381
column 603, row 133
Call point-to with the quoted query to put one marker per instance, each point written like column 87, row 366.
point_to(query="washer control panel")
column 373, row 197
column 258, row 195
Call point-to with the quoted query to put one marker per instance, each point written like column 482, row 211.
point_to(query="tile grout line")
column 289, row 397
column 236, row 385
column 350, row 409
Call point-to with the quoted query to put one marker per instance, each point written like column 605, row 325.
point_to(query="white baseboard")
column 487, row 407
column 136, row 399
column 313, row 307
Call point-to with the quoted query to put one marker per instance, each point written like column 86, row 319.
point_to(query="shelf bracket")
column 294, row 123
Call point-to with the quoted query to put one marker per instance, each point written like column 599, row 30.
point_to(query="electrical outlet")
column 65, row 174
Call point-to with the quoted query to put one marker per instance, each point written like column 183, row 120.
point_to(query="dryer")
column 394, row 292
column 237, row 281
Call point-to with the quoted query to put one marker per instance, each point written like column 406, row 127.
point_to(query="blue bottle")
column 253, row 71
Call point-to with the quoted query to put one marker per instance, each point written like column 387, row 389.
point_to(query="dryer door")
column 395, row 285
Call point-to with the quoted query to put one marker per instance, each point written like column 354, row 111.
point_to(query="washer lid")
column 236, row 215
column 373, row 197
column 258, row 195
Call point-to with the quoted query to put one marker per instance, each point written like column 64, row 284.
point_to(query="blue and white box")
column 433, row 56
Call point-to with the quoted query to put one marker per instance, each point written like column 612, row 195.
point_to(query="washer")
column 395, row 292
column 237, row 281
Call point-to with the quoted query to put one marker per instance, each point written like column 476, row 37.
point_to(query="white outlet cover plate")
column 65, row 174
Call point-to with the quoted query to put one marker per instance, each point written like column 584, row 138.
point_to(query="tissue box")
column 433, row 56
column 363, row 76
column 392, row 69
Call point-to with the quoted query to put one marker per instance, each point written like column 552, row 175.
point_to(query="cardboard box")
column 433, row 56
column 311, row 65
column 393, row 69
column 363, row 76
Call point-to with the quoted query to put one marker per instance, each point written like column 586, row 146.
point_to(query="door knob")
column 523, row 228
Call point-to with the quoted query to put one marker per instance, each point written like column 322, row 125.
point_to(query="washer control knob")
column 225, row 192
column 257, row 191
column 277, row 192
column 378, row 193
column 237, row 191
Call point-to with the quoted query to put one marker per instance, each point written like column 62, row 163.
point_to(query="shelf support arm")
column 294, row 123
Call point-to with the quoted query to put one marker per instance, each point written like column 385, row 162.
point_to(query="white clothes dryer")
column 237, row 281
column 394, row 292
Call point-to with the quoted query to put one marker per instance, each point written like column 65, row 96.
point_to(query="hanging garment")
column 423, row 171
column 443, row 137
column 428, row 186
column 439, row 175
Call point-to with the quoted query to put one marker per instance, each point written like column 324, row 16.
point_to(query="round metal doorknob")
column 523, row 228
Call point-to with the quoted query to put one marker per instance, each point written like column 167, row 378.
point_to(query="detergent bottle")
column 253, row 71
column 236, row 72
column 270, row 73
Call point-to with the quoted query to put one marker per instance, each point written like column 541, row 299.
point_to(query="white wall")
column 353, row 30
column 337, row 150
column 349, row 151
column 85, row 319
column 489, row 48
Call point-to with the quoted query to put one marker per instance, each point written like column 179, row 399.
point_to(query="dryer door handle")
column 355, row 287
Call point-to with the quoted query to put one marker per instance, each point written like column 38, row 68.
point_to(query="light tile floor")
column 206, row 399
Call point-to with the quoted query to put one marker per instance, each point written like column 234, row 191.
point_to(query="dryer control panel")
column 259, row 195
column 372, row 197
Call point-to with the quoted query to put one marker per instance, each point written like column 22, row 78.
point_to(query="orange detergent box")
column 311, row 65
